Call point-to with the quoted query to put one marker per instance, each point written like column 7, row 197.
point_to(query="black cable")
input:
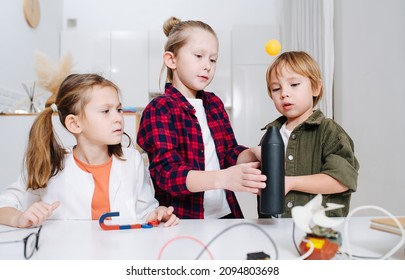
column 236, row 225
column 19, row 229
column 358, row 257
column 295, row 243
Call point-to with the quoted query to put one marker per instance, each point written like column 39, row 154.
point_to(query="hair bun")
column 169, row 24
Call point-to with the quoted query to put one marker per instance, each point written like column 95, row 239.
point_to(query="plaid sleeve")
column 158, row 137
column 228, row 149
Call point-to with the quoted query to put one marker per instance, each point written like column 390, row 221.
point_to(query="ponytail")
column 44, row 156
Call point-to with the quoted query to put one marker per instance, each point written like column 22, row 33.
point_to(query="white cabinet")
column 91, row 51
column 252, row 107
column 121, row 56
column 221, row 85
column 129, row 66
column 157, row 40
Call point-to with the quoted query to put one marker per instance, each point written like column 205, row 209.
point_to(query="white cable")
column 346, row 230
column 309, row 252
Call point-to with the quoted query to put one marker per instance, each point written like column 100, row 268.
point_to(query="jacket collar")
column 181, row 99
column 315, row 119
column 116, row 174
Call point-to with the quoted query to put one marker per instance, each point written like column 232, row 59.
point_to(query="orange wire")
column 184, row 237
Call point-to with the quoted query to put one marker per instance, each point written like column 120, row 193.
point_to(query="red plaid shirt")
column 171, row 135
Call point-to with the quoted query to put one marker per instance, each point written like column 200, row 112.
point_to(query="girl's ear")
column 72, row 124
column 169, row 60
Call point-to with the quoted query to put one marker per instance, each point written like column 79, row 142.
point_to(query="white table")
column 85, row 240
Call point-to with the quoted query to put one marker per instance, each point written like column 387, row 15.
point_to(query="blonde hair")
column 44, row 156
column 177, row 33
column 302, row 64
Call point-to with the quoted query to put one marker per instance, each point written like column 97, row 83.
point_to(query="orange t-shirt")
column 100, row 203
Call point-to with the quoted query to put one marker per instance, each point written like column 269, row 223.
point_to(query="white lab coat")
column 130, row 190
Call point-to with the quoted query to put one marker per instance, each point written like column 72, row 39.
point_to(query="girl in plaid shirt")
column 196, row 163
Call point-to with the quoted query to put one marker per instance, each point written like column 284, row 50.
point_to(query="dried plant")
column 50, row 76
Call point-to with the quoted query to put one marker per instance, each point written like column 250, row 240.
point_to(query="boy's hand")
column 257, row 152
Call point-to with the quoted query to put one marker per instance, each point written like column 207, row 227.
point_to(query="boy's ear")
column 72, row 124
column 169, row 60
column 317, row 91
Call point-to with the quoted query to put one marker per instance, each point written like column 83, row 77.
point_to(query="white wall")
column 370, row 96
column 106, row 15
column 19, row 41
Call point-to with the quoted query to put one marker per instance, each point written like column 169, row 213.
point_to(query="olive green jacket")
column 319, row 145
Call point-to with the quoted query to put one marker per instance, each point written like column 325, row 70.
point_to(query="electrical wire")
column 205, row 247
column 346, row 230
column 310, row 250
column 19, row 229
column 238, row 225
column 307, row 253
column 295, row 242
column 356, row 256
column 184, row 237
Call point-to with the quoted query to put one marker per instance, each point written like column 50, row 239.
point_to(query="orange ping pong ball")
column 273, row 47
